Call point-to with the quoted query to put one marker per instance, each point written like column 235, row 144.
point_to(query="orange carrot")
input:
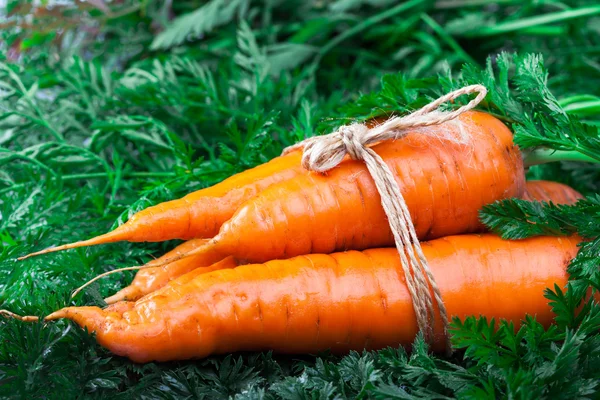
column 202, row 213
column 226, row 263
column 444, row 185
column 199, row 214
column 548, row 191
column 148, row 280
column 344, row 301
column 151, row 279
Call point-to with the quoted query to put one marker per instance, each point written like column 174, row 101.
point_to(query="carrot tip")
column 27, row 256
column 55, row 248
column 128, row 293
column 119, row 234
column 56, row 315
column 45, row 251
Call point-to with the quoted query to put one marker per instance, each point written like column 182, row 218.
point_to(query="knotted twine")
column 322, row 153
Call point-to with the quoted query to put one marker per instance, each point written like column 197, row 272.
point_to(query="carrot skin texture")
column 344, row 301
column 120, row 305
column 149, row 279
column 548, row 191
column 444, row 185
column 200, row 214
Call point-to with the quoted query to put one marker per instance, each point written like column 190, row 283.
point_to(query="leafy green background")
column 109, row 107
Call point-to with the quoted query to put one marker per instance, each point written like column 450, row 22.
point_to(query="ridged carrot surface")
column 444, row 185
column 199, row 214
column 343, row 301
column 148, row 280
column 558, row 193
column 151, row 279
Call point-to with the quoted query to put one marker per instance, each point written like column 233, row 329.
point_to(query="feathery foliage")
column 109, row 107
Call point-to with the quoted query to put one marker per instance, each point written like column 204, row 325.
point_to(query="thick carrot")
column 151, row 279
column 444, row 184
column 148, row 280
column 199, row 214
column 548, row 191
column 343, row 301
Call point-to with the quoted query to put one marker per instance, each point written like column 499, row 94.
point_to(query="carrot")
column 226, row 263
column 548, row 191
column 344, row 301
column 199, row 214
column 444, row 185
column 151, row 279
column 148, row 280
column 202, row 213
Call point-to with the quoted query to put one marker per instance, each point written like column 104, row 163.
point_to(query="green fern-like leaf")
column 200, row 22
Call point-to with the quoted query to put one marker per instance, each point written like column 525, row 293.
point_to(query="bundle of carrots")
column 282, row 258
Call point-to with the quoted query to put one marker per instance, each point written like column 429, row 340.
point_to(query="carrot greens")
column 107, row 108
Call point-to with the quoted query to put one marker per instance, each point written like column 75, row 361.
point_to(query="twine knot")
column 351, row 137
column 322, row 153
